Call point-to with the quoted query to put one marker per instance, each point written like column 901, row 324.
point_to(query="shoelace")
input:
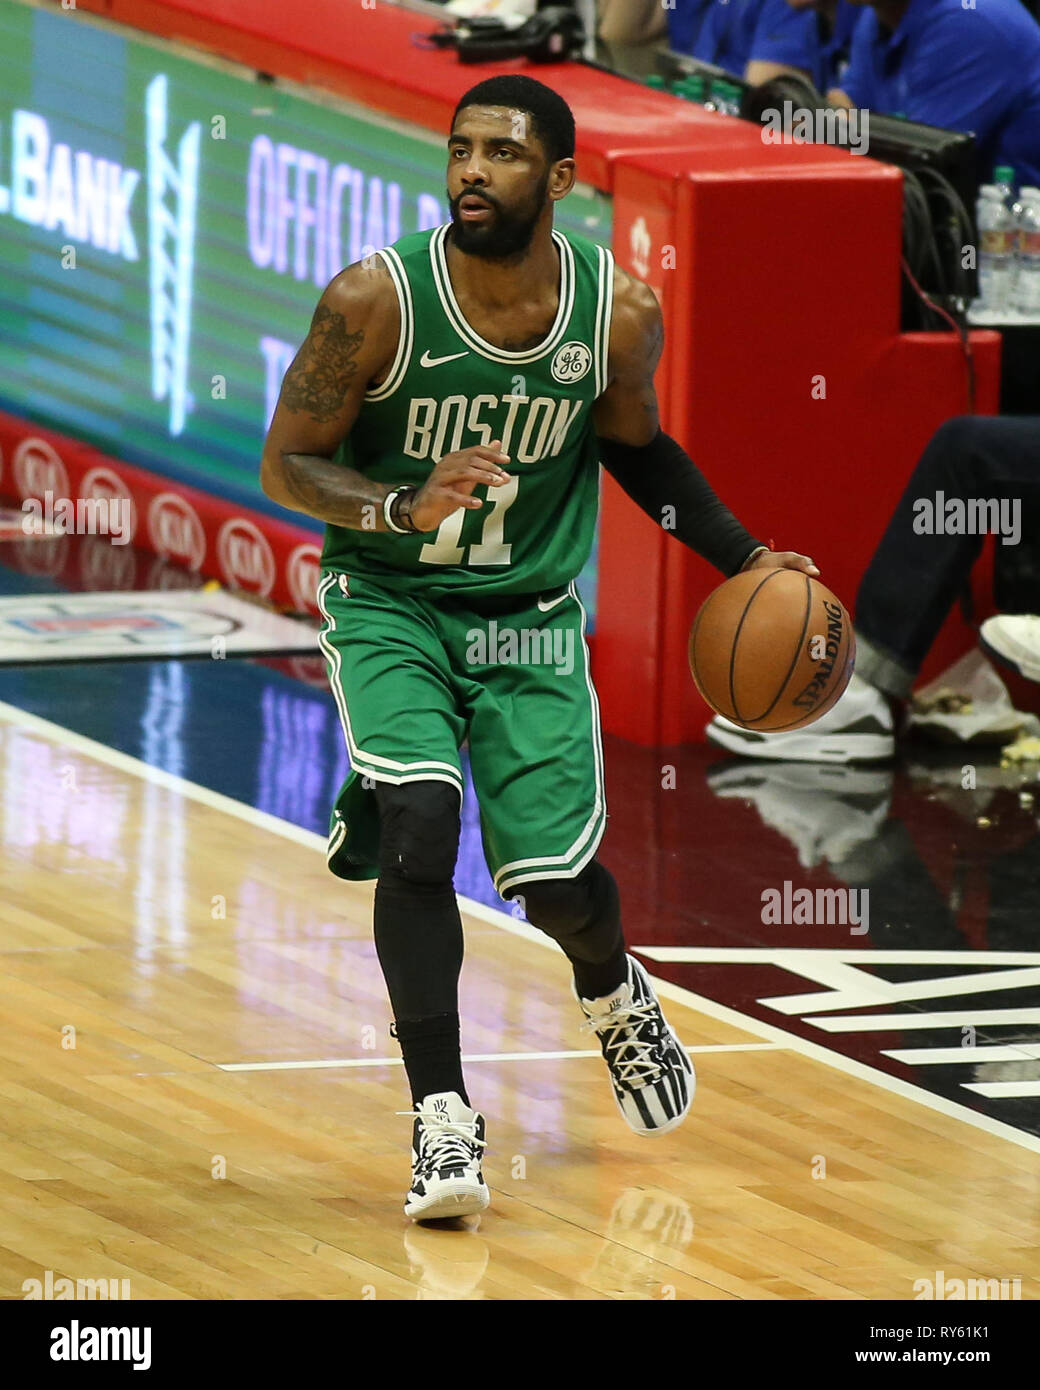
column 622, row 1024
column 446, row 1143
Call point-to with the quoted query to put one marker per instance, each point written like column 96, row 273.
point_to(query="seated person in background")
column 753, row 39
column 685, row 18
column 832, row 42
column 909, row 588
column 630, row 21
column 971, row 67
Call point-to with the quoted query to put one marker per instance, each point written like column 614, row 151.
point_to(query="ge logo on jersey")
column 571, row 362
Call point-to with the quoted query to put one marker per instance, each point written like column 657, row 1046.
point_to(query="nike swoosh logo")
column 545, row 607
column 427, row 361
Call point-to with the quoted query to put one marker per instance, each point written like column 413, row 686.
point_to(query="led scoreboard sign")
column 166, row 226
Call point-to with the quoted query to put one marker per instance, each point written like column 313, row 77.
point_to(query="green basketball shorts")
column 414, row 678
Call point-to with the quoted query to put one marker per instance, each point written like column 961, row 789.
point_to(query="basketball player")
column 446, row 417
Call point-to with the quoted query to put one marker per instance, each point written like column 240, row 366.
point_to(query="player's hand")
column 450, row 485
column 783, row 560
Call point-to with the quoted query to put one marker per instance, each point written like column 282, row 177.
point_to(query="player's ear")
column 561, row 179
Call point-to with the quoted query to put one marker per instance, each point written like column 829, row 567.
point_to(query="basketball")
column 772, row 649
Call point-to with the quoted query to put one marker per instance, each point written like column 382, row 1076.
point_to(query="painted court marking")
column 473, row 1057
column 191, row 791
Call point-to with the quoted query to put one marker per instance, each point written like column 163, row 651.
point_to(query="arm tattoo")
column 318, row 380
column 334, row 493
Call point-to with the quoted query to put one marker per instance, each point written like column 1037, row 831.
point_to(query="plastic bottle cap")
column 1003, row 173
column 655, row 80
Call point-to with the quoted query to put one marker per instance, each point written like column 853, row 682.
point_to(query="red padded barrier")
column 762, row 309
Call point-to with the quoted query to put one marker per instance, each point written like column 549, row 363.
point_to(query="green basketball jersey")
column 449, row 388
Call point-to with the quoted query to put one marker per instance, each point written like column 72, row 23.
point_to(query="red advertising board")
column 203, row 534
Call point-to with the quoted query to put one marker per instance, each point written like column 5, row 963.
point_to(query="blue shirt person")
column 835, row 21
column 753, row 39
column 971, row 65
column 685, row 18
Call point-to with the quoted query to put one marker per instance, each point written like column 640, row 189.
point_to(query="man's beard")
column 505, row 234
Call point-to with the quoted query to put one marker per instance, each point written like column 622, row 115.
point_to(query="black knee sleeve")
column 583, row 914
column 418, row 932
column 418, row 832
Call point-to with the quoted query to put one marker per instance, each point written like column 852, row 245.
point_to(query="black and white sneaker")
column 447, row 1140
column 650, row 1070
column 858, row 728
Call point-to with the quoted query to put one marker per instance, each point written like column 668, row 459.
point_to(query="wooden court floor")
column 198, row 1094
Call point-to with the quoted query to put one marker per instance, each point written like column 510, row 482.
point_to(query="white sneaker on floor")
column 858, row 728
column 650, row 1070
column 1014, row 639
column 447, row 1140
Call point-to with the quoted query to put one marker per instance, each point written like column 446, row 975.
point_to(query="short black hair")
column 552, row 117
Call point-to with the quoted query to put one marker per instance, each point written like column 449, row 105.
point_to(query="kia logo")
column 176, row 531
column 103, row 484
column 245, row 557
column 38, row 469
column 302, row 571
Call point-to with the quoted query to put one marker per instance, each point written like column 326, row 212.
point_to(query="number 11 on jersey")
column 491, row 549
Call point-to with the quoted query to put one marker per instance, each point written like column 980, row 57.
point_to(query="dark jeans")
column 913, row 579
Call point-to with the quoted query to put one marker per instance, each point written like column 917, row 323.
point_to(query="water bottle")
column 998, row 232
column 1004, row 179
column 717, row 98
column 1027, row 289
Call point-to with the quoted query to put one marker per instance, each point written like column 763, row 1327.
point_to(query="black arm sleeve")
column 661, row 474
